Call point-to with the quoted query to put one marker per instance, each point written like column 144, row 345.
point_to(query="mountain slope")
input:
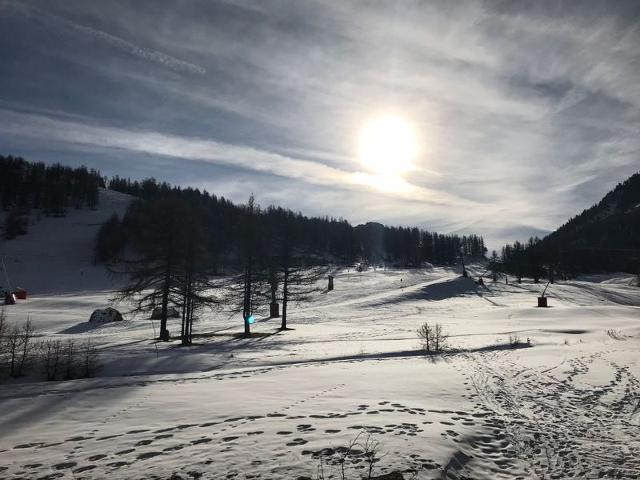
column 56, row 255
column 603, row 237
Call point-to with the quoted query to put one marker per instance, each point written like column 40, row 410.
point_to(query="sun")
column 387, row 145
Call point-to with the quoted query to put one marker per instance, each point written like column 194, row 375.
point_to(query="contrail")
column 116, row 42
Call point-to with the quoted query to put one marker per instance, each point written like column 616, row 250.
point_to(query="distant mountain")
column 605, row 237
column 613, row 222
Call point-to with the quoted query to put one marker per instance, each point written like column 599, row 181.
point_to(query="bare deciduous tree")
column 90, row 358
column 371, row 448
column 27, row 333
column 433, row 337
column 13, row 348
column 70, row 359
column 50, row 354
column 3, row 323
column 3, row 331
column 424, row 334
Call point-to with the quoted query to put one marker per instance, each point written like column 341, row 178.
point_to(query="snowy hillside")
column 56, row 255
column 276, row 405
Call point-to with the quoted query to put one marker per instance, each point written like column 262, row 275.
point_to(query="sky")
column 523, row 113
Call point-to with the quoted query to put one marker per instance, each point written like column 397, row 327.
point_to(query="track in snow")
column 560, row 426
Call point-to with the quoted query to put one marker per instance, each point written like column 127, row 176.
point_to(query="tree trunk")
column 246, row 306
column 285, row 298
column 191, row 321
column 274, row 308
column 184, row 314
column 186, row 310
column 164, row 333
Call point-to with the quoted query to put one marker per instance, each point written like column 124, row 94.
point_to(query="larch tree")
column 299, row 271
column 245, row 291
column 154, row 271
column 195, row 273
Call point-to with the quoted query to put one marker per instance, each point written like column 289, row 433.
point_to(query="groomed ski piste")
column 563, row 403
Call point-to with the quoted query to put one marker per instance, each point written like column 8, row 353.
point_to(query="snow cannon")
column 542, row 300
column 9, row 298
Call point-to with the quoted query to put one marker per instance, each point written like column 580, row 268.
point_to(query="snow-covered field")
column 276, row 405
column 280, row 403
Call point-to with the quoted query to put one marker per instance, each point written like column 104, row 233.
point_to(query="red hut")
column 21, row 293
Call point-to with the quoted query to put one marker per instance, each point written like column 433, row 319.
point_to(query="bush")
column 3, row 331
column 20, row 355
column 3, row 325
column 89, row 358
column 69, row 355
column 50, row 357
column 367, row 451
column 433, row 337
column 18, row 346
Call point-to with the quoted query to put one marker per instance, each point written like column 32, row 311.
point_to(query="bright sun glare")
column 387, row 146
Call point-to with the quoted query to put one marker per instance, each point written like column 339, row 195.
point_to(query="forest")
column 178, row 244
column 332, row 239
column 48, row 189
column 603, row 238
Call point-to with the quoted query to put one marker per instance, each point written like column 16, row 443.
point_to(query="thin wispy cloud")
column 37, row 126
column 118, row 43
column 526, row 112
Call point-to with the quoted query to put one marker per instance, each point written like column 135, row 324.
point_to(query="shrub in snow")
column 79, row 360
column 433, row 337
column 3, row 325
column 90, row 358
column 367, row 451
column 105, row 315
column 18, row 346
column 51, row 357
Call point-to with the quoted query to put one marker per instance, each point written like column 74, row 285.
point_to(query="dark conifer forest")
column 50, row 189
column 603, row 238
column 53, row 189
column 331, row 239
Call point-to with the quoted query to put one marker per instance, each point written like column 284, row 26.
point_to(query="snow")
column 275, row 405
column 56, row 255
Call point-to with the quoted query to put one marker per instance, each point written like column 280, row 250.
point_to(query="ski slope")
column 56, row 255
column 279, row 404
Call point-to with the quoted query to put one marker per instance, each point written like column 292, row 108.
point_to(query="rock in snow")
column 105, row 315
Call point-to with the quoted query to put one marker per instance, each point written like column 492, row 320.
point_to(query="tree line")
column 50, row 189
column 411, row 246
column 603, row 238
column 328, row 237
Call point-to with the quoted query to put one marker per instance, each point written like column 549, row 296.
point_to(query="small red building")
column 21, row 293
